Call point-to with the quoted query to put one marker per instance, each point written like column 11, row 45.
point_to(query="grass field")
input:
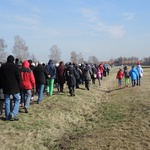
column 105, row 118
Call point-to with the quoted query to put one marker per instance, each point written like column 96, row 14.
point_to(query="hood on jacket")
column 87, row 67
column 50, row 62
column 26, row 64
column 10, row 58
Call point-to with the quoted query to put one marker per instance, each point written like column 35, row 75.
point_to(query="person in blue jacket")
column 51, row 69
column 134, row 75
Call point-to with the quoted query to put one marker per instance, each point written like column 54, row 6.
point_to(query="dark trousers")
column 87, row 84
column 61, row 87
column 139, row 81
column 133, row 82
column 71, row 89
column 1, row 106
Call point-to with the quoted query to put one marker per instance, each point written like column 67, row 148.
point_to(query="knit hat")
column 138, row 63
column 10, row 58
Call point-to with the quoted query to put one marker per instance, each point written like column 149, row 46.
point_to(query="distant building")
column 120, row 62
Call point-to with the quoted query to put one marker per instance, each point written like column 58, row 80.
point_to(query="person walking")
column 101, row 68
column 87, row 76
column 27, row 84
column 94, row 73
column 71, row 76
column 134, row 75
column 127, row 76
column 61, row 75
column 140, row 71
column 10, row 79
column 119, row 76
column 79, row 72
column 40, row 74
column 99, row 76
column 51, row 69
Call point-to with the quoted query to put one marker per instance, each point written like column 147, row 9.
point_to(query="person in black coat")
column 10, row 79
column 40, row 74
column 71, row 76
column 87, row 72
column 94, row 73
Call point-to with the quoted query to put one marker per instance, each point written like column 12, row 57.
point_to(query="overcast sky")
column 102, row 28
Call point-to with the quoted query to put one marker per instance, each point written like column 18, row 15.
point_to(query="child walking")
column 99, row 76
column 127, row 76
column 119, row 77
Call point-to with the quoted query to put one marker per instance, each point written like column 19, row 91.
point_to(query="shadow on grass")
column 116, row 89
column 3, row 118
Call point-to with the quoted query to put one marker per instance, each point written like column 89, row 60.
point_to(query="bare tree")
column 74, row 57
column 20, row 49
column 93, row 60
column 3, row 53
column 55, row 54
column 146, row 61
column 80, row 58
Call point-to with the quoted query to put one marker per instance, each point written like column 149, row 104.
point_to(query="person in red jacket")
column 119, row 77
column 27, row 84
column 101, row 68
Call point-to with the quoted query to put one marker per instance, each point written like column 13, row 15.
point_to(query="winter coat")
column 94, row 72
column 28, row 80
column 126, row 73
column 61, row 74
column 10, row 78
column 120, row 74
column 101, row 68
column 139, row 69
column 40, row 74
column 98, row 73
column 51, row 69
column 87, row 73
column 134, row 74
column 71, row 75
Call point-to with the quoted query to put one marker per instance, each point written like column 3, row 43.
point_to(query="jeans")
column 139, row 81
column 26, row 96
column 40, row 90
column 133, row 82
column 119, row 81
column 15, row 108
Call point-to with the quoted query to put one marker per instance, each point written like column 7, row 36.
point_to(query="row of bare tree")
column 20, row 51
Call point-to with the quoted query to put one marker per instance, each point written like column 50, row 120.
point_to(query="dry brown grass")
column 104, row 118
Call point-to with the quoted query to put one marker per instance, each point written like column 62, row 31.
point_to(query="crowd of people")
column 20, row 80
column 135, row 74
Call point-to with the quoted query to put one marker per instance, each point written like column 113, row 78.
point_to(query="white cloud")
column 115, row 31
column 27, row 20
column 98, row 25
column 90, row 14
column 128, row 16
